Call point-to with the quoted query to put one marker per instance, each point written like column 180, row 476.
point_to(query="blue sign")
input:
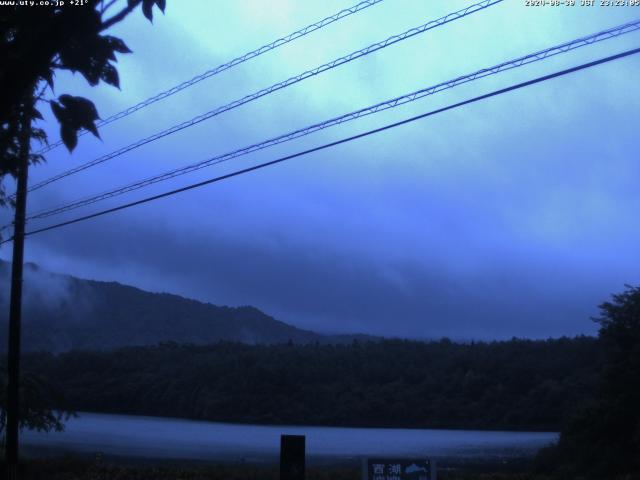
column 398, row 469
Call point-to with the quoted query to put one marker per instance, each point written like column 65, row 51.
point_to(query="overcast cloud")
column 513, row 216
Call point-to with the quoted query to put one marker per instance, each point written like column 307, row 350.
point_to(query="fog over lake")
column 168, row 438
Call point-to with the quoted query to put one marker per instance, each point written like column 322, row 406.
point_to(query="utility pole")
column 15, row 307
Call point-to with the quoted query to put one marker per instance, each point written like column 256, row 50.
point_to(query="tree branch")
column 107, row 6
column 118, row 17
column 41, row 92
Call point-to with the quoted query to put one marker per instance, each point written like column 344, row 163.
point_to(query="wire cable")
column 273, row 88
column 226, row 66
column 338, row 142
column 388, row 104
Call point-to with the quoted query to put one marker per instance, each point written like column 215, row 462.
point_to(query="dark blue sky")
column 514, row 216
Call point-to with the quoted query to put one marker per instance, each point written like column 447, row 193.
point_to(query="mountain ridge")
column 63, row 312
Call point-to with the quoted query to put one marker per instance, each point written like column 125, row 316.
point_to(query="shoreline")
column 491, row 464
column 76, row 468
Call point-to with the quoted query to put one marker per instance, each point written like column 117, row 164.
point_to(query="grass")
column 76, row 468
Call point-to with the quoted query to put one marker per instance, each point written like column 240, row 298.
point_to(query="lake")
column 170, row 438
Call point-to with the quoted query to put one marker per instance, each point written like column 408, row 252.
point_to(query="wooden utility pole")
column 15, row 307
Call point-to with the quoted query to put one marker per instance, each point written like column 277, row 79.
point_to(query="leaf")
column 74, row 113
column 91, row 75
column 80, row 107
column 35, row 158
column 117, row 44
column 35, row 113
column 92, row 56
column 69, row 136
column 110, row 75
column 40, row 135
column 58, row 111
column 75, row 56
column 91, row 126
column 66, row 100
column 147, row 9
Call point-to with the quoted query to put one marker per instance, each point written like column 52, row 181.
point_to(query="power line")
column 226, row 66
column 273, row 88
column 388, row 104
column 339, row 142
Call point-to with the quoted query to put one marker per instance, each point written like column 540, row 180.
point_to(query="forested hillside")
column 63, row 313
column 518, row 384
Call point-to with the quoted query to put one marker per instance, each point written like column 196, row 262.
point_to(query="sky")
column 514, row 216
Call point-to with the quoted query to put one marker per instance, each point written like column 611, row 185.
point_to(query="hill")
column 63, row 313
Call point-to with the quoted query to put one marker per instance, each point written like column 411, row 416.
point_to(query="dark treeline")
column 517, row 384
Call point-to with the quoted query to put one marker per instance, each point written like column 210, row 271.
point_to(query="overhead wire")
column 275, row 87
column 338, row 142
column 226, row 66
column 378, row 107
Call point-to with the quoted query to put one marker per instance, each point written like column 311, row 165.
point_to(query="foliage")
column 603, row 439
column 34, row 44
column 38, row 396
column 519, row 384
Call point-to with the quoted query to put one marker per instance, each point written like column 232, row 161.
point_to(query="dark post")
column 292, row 457
column 15, row 306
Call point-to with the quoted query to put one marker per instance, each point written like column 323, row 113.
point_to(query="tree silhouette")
column 37, row 41
column 603, row 440
column 37, row 410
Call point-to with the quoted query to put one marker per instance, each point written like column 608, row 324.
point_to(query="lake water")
column 170, row 438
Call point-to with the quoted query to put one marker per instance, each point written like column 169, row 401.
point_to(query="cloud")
column 44, row 292
column 514, row 216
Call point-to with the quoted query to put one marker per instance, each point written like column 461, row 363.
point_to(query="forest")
column 516, row 384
